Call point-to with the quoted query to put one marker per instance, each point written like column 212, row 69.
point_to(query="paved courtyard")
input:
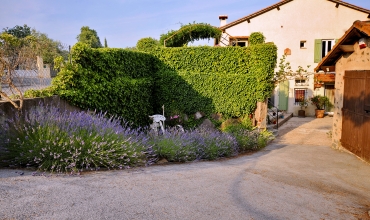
column 298, row 176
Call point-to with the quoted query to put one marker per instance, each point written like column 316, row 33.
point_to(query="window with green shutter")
column 318, row 48
column 322, row 47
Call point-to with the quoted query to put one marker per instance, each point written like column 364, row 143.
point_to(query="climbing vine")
column 189, row 33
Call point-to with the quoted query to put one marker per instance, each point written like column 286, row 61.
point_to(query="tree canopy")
column 189, row 33
column 15, row 53
column 49, row 49
column 90, row 37
column 19, row 31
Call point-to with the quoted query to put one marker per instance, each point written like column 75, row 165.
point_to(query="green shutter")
column 317, row 55
column 283, row 95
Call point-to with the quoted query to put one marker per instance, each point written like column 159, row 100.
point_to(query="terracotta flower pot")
column 319, row 113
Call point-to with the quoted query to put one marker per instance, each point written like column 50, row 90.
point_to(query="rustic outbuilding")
column 350, row 60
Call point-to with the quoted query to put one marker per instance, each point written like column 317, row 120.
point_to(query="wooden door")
column 356, row 113
column 283, row 95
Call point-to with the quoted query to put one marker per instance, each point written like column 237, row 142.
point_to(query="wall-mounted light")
column 362, row 43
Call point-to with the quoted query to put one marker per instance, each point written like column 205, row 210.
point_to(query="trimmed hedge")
column 230, row 94
column 228, row 80
column 133, row 85
column 117, row 81
column 204, row 59
column 114, row 62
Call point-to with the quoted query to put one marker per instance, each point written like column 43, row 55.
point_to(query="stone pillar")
column 40, row 66
column 261, row 114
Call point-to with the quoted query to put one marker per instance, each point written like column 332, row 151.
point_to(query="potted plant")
column 303, row 103
column 317, row 83
column 320, row 102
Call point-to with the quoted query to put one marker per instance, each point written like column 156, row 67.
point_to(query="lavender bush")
column 57, row 141
column 72, row 141
column 194, row 145
column 248, row 138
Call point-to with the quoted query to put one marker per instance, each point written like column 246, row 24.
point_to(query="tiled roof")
column 357, row 30
column 283, row 2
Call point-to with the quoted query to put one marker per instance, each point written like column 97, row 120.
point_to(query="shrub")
column 256, row 38
column 248, row 138
column 33, row 93
column 321, row 102
column 263, row 138
column 194, row 145
column 71, row 141
column 145, row 44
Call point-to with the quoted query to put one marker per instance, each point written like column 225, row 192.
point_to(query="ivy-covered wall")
column 116, row 81
column 227, row 80
column 133, row 85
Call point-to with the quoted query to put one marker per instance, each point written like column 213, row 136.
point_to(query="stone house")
column 350, row 60
column 304, row 30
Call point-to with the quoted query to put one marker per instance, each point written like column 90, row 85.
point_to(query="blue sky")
column 124, row 22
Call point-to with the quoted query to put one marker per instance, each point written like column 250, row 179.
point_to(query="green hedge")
column 230, row 94
column 228, row 80
column 109, row 80
column 114, row 62
column 204, row 59
column 133, row 85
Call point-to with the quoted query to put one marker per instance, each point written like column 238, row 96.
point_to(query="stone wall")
column 358, row 60
column 7, row 110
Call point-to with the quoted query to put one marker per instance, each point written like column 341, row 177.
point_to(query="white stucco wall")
column 300, row 20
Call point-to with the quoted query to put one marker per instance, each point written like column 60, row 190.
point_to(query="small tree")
column 49, row 48
column 90, row 37
column 285, row 71
column 16, row 53
column 105, row 43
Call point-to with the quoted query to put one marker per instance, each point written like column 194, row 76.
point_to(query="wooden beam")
column 337, row 5
column 278, row 8
column 324, row 78
column 357, row 33
column 249, row 21
column 347, row 48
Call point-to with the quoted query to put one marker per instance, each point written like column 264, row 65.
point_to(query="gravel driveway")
column 298, row 176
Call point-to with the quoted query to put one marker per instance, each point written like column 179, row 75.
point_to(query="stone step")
column 281, row 121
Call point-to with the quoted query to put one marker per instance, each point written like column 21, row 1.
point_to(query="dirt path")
column 298, row 176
